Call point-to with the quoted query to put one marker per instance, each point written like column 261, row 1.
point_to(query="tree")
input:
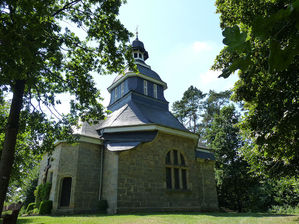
column 26, row 158
column 40, row 58
column 187, row 110
column 233, row 180
column 211, row 107
column 262, row 39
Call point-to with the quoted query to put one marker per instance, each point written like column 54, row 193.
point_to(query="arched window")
column 176, row 170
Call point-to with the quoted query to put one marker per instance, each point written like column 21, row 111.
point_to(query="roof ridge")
column 124, row 107
column 140, row 112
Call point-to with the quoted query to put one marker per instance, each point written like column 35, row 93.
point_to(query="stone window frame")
column 176, row 170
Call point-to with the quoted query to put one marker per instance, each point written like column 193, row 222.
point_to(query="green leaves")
column 54, row 61
column 236, row 44
column 267, row 64
column 234, row 38
column 188, row 109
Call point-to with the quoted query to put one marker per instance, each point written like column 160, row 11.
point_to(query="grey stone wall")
column 110, row 180
column 66, row 163
column 88, row 178
column 142, row 178
column 81, row 162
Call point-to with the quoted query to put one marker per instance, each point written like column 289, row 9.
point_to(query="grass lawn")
column 165, row 218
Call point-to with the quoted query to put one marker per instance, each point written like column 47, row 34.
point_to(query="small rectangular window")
column 182, row 160
column 176, row 178
column 145, row 87
column 168, row 158
column 115, row 94
column 122, row 89
column 155, row 91
column 168, row 178
column 184, row 179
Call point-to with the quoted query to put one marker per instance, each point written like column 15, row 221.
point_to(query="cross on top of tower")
column 137, row 32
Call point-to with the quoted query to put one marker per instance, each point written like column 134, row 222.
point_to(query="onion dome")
column 139, row 51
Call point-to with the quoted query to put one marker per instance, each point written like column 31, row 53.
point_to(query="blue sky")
column 182, row 39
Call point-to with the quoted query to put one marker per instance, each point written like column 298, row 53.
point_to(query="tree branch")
column 65, row 7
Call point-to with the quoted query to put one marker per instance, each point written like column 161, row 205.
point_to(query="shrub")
column 102, row 205
column 30, row 208
column 29, row 191
column 45, row 207
column 35, row 211
column 42, row 193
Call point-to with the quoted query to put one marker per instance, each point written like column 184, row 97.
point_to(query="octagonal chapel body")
column 141, row 158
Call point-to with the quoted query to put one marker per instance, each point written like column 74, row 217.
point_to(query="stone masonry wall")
column 65, row 166
column 142, row 178
column 110, row 178
column 88, row 178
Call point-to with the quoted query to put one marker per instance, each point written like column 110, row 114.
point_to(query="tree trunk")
column 8, row 151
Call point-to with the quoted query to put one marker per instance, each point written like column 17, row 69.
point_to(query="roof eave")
column 132, row 74
column 150, row 127
column 83, row 138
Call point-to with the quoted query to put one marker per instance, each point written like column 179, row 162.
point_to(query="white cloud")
column 209, row 81
column 199, row 46
column 209, row 77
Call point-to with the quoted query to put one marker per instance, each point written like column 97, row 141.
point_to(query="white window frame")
column 145, row 89
column 115, row 94
column 122, row 88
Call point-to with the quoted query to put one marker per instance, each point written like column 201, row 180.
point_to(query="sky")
column 182, row 37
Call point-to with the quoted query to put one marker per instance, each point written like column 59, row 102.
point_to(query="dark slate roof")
column 133, row 114
column 135, row 136
column 87, row 130
column 204, row 155
column 127, row 140
column 148, row 72
column 121, row 146
column 138, row 45
column 143, row 70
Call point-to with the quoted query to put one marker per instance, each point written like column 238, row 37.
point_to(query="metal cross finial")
column 137, row 32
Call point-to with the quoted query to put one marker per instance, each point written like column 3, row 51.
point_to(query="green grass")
column 165, row 218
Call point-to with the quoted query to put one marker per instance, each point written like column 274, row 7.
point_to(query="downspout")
column 101, row 172
column 203, row 184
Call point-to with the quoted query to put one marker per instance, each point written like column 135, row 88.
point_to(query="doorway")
column 65, row 195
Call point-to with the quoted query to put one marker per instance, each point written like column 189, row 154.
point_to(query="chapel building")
column 141, row 158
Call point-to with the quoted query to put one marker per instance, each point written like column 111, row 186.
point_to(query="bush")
column 42, row 193
column 102, row 205
column 35, row 211
column 29, row 191
column 45, row 207
column 30, row 208
column 286, row 209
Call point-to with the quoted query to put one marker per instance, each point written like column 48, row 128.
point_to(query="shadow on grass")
column 215, row 214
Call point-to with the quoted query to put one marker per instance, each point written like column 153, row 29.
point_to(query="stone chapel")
column 141, row 158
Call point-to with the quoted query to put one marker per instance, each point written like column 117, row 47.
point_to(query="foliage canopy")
column 41, row 57
column 262, row 39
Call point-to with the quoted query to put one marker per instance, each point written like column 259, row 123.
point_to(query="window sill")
column 177, row 191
